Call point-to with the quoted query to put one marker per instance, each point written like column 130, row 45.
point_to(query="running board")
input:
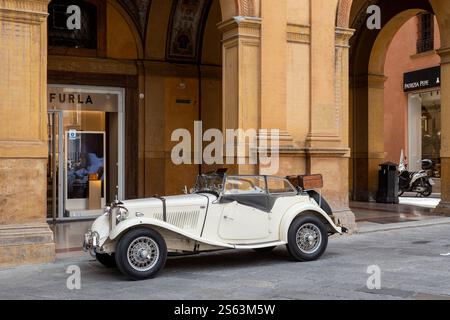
column 259, row 245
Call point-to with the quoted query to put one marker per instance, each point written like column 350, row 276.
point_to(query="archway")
column 183, row 86
column 167, row 56
column 367, row 80
column 108, row 55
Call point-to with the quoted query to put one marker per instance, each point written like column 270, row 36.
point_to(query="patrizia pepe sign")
column 422, row 79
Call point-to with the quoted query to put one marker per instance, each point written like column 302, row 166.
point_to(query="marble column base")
column 347, row 219
column 26, row 244
column 443, row 209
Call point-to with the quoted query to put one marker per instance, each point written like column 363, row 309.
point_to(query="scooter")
column 418, row 182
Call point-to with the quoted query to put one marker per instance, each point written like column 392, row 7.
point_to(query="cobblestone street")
column 414, row 263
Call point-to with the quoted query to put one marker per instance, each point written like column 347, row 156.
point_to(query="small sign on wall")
column 184, row 101
column 72, row 134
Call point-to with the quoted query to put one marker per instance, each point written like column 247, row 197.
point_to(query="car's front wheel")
column 141, row 253
column 307, row 238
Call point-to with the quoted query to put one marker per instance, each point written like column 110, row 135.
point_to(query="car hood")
column 171, row 201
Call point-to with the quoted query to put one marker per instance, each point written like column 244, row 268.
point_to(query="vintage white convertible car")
column 221, row 212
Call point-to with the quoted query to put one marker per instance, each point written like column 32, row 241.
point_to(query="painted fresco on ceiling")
column 184, row 38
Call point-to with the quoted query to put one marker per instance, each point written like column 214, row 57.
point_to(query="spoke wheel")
column 307, row 238
column 141, row 253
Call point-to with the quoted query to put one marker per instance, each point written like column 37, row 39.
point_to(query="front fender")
column 300, row 209
column 150, row 222
column 101, row 226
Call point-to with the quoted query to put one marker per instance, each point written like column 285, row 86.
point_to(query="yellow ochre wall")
column 265, row 64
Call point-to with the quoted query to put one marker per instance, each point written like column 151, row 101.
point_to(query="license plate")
column 432, row 182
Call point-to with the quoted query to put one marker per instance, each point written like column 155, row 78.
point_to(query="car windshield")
column 209, row 183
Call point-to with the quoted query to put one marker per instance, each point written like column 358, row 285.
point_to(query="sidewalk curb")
column 403, row 225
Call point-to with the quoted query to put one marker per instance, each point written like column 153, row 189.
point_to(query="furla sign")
column 422, row 79
column 66, row 98
column 71, row 98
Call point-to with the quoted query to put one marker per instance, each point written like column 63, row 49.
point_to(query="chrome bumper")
column 340, row 226
column 91, row 241
column 344, row 230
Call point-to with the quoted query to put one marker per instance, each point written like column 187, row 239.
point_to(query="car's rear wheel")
column 141, row 253
column 108, row 260
column 264, row 250
column 307, row 238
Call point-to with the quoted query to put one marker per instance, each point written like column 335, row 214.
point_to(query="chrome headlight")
column 121, row 214
column 106, row 210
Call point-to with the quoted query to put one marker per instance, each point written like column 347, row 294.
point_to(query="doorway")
column 424, row 133
column 86, row 150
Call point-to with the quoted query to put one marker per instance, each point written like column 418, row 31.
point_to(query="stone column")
column 327, row 145
column 325, row 125
column 24, row 234
column 341, row 87
column 375, row 128
column 241, row 79
column 368, row 134
column 444, row 206
column 273, row 64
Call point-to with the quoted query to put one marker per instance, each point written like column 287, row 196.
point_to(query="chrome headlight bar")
column 121, row 214
column 107, row 210
column 116, row 211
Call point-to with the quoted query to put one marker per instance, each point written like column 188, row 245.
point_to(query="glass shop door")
column 86, row 157
column 54, row 165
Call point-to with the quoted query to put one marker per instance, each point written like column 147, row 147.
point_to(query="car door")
column 245, row 217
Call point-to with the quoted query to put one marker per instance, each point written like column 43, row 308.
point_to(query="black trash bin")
column 388, row 183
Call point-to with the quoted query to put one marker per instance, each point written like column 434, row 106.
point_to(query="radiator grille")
column 180, row 219
column 157, row 215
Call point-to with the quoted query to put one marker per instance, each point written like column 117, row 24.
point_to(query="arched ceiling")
column 186, row 25
column 364, row 39
column 138, row 10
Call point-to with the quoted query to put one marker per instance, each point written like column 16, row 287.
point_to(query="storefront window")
column 431, row 134
column 85, row 133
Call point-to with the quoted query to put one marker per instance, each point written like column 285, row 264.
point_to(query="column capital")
column 368, row 80
column 343, row 36
column 25, row 5
column 239, row 26
column 445, row 55
column 31, row 11
column 299, row 33
column 376, row 80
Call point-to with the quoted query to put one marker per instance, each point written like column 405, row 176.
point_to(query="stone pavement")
column 414, row 263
